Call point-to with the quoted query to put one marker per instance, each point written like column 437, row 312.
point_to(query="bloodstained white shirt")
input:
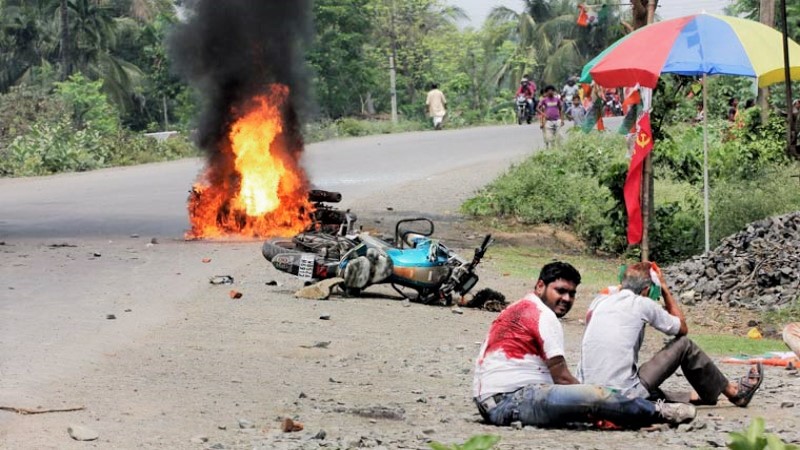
column 515, row 353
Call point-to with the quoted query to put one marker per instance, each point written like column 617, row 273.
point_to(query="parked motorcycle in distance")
column 412, row 262
column 524, row 111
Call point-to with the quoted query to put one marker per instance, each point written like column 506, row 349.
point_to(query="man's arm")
column 670, row 304
column 560, row 372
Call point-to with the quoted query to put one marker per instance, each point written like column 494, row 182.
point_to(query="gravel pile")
column 757, row 268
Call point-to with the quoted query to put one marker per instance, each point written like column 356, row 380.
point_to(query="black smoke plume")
column 231, row 50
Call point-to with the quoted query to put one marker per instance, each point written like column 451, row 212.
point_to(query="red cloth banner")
column 583, row 17
column 633, row 182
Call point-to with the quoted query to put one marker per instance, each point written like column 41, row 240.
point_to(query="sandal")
column 748, row 388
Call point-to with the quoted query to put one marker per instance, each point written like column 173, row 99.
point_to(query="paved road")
column 150, row 200
column 68, row 258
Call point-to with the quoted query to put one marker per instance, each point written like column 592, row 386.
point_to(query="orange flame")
column 253, row 186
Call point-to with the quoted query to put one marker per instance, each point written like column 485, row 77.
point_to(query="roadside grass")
column 780, row 317
column 726, row 345
column 352, row 127
column 525, row 261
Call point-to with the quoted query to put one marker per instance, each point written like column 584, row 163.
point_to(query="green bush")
column 735, row 203
column 88, row 103
column 54, row 147
column 559, row 186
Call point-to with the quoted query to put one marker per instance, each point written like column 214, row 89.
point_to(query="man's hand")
column 660, row 274
column 560, row 372
column 670, row 304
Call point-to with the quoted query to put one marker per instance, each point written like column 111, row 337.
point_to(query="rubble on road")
column 757, row 268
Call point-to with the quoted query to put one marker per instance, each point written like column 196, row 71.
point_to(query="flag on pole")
column 633, row 182
column 587, row 15
column 583, row 17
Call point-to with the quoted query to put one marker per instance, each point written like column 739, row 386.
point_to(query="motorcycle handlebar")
column 319, row 195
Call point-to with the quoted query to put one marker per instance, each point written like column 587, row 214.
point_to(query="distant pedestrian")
column 733, row 109
column 436, row 106
column 552, row 115
column 576, row 112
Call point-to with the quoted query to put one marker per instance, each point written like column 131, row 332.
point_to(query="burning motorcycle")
column 412, row 261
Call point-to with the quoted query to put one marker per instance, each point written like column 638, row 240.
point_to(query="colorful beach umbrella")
column 697, row 45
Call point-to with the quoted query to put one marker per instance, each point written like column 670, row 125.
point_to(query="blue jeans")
column 550, row 405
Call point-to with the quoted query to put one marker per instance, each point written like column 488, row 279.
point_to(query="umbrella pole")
column 705, row 163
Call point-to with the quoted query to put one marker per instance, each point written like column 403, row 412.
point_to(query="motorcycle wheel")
column 277, row 246
column 519, row 119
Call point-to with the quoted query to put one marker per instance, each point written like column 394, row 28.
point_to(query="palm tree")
column 549, row 44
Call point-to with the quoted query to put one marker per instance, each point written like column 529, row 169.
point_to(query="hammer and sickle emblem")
column 643, row 139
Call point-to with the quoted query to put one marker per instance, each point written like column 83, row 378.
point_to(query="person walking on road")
column 576, row 112
column 436, row 106
column 551, row 115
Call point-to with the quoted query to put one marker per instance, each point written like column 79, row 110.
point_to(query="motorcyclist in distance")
column 528, row 89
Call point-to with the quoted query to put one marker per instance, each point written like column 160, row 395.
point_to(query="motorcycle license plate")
column 306, row 271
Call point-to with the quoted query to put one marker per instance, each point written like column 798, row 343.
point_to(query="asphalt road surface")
column 80, row 279
column 151, row 199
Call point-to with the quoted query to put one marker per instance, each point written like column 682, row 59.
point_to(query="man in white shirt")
column 521, row 374
column 614, row 333
column 436, row 106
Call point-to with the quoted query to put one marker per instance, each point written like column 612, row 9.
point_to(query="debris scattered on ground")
column 757, row 268
column 321, row 434
column 154, row 241
column 271, row 283
column 290, row 426
column 325, row 317
column 318, row 344
column 234, row 294
column 199, row 439
column 81, row 433
column 486, row 299
column 754, row 334
column 205, row 260
column 27, row 411
column 319, row 291
column 392, row 412
column 96, row 255
column 244, row 424
column 64, row 245
column 135, row 236
column 457, row 310
column 221, row 279
column 111, row 316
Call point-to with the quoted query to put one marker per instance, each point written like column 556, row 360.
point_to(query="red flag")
column 633, row 182
column 583, row 17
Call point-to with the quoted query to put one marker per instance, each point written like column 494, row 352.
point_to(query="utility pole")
column 647, row 176
column 767, row 17
column 393, row 67
column 790, row 138
column 65, row 57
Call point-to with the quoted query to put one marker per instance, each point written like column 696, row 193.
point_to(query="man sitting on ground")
column 614, row 332
column 521, row 374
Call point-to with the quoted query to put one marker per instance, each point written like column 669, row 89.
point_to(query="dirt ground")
column 187, row 367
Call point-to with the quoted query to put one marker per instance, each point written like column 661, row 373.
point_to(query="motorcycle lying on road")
column 411, row 261
column 524, row 112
